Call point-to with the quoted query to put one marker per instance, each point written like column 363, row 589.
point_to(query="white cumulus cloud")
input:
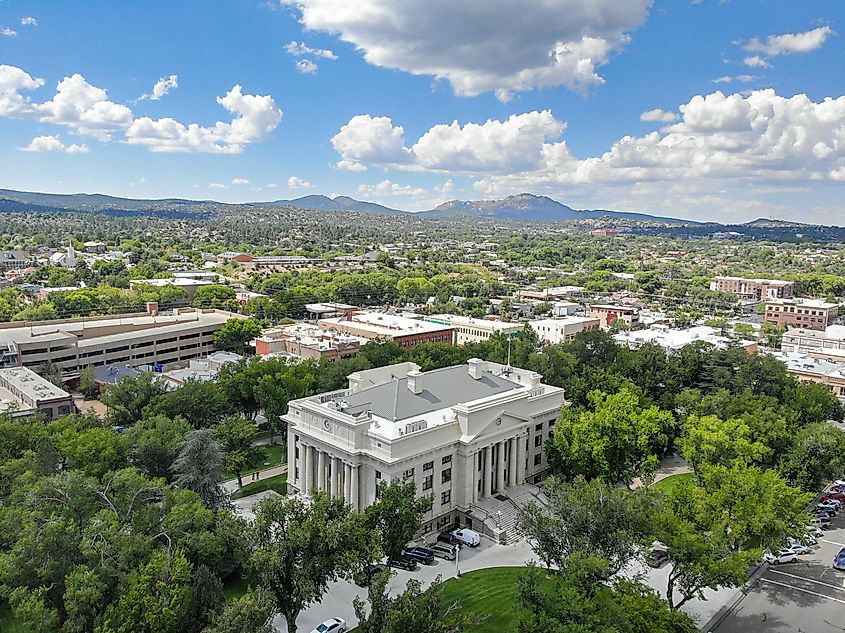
column 729, row 79
column 501, row 46
column 29, row 21
column 306, row 67
column 240, row 181
column 386, row 188
column 294, row 182
column 7, row 32
column 161, row 88
column 298, row 49
column 755, row 61
column 53, row 144
column 659, row 115
column 789, row 43
column 217, row 185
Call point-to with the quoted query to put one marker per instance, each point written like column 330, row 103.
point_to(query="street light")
column 457, row 558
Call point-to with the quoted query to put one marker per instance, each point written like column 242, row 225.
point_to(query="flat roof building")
column 609, row 314
column 811, row 314
column 406, row 332
column 756, row 289
column 809, row 367
column 125, row 339
column 185, row 283
column 23, row 392
column 671, row 339
column 307, row 341
column 554, row 331
column 465, row 435
column 470, row 330
column 830, row 341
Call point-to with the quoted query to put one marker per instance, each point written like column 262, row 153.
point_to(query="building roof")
column 112, row 374
column 804, row 303
column 758, row 280
column 455, row 319
column 668, row 338
column 612, row 308
column 32, row 385
column 386, row 325
column 441, row 388
column 811, row 365
column 171, row 281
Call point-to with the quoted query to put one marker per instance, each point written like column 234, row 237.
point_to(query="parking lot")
column 807, row 596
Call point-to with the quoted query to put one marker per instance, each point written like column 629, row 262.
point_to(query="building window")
column 539, row 428
column 445, row 497
column 446, row 475
column 446, row 460
column 538, row 458
column 552, row 423
column 538, row 441
column 378, row 475
column 428, row 466
column 428, row 482
column 409, row 473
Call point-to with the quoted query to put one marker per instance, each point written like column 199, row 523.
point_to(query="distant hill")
column 339, row 203
column 91, row 201
column 528, row 207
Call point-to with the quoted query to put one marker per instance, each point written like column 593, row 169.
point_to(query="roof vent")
column 475, row 368
column 415, row 382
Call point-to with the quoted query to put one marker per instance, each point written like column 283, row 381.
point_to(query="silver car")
column 442, row 550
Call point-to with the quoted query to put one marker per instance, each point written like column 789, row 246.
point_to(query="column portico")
column 321, row 471
column 500, row 463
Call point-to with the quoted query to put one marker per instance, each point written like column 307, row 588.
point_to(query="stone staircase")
column 500, row 516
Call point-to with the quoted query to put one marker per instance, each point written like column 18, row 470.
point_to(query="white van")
column 468, row 537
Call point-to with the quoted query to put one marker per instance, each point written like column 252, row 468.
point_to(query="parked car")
column 814, row 532
column 468, row 537
column 447, row 537
column 334, row 625
column 820, row 522
column 834, row 496
column 443, row 550
column 404, row 562
column 830, row 506
column 839, row 560
column 658, row 554
column 798, row 547
column 363, row 579
column 420, row 554
column 782, row 556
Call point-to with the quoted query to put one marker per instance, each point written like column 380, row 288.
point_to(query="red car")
column 835, row 496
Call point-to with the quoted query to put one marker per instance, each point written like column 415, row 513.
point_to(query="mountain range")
column 520, row 207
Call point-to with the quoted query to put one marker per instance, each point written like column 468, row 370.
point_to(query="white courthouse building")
column 464, row 434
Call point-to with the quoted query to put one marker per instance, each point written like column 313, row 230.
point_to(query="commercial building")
column 15, row 260
column 553, row 331
column 189, row 285
column 462, row 434
column 550, row 294
column 200, row 369
column 826, row 371
column 133, row 339
column 406, row 332
column 830, row 342
column 757, row 289
column 329, row 310
column 609, row 314
column 470, row 330
column 23, row 392
column 307, row 341
column 810, row 314
column 671, row 339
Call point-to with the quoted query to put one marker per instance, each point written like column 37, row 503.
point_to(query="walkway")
column 232, row 485
column 672, row 464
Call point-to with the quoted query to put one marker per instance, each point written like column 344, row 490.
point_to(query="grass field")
column 272, row 456
column 670, row 482
column 277, row 483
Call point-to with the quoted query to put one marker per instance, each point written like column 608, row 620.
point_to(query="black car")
column 420, row 554
column 447, row 537
column 404, row 562
column 364, row 577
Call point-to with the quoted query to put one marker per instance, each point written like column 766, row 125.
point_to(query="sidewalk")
column 232, row 485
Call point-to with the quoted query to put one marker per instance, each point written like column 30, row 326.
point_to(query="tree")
column 711, row 440
column 396, row 515
column 744, row 330
column 382, row 352
column 128, row 398
column 201, row 403
column 590, row 517
column 87, row 384
column 250, row 613
column 199, row 467
column 274, row 391
column 236, row 333
column 772, row 333
column 299, row 547
column 412, row 611
column 212, row 296
column 617, row 441
column 157, row 443
column 52, row 373
column 235, row 436
column 816, row 457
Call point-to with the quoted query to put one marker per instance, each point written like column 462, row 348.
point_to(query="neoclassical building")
column 463, row 434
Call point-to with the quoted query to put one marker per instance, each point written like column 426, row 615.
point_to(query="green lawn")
column 271, row 456
column 488, row 595
column 668, row 484
column 277, row 483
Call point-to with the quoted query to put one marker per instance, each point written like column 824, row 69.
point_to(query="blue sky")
column 358, row 97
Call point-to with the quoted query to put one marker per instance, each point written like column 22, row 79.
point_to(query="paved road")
column 807, row 596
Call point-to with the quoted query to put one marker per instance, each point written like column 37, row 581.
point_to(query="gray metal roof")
column 441, row 388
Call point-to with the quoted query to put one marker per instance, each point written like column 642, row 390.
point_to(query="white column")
column 519, row 460
column 335, row 477
column 500, row 472
column 303, row 467
column 309, row 469
column 483, row 458
column 474, row 479
column 347, row 489
column 511, row 478
column 354, row 495
column 321, row 471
